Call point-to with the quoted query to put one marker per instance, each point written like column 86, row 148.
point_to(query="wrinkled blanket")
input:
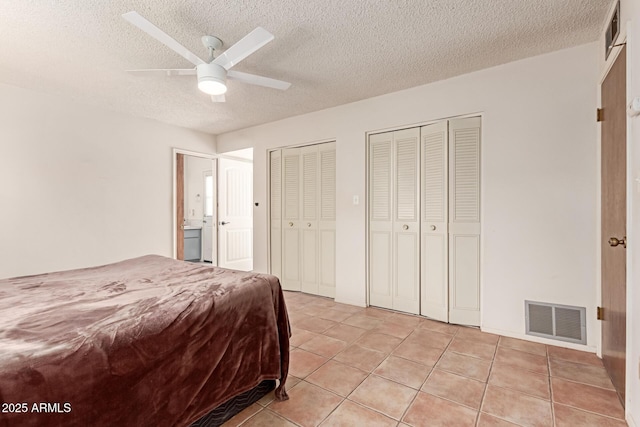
column 146, row 341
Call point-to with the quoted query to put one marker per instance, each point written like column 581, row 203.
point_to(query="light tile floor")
column 353, row 366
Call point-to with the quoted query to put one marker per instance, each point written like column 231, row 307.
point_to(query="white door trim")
column 174, row 152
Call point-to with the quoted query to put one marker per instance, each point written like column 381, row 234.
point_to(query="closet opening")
column 302, row 217
column 423, row 220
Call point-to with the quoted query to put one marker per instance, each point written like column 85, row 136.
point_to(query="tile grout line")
column 377, row 366
column 593, row 413
column 427, row 378
column 452, row 337
column 337, row 361
column 553, row 412
column 486, row 385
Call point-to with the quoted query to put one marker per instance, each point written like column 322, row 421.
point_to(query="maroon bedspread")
column 147, row 341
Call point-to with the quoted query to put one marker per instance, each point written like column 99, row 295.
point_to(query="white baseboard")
column 350, row 302
column 547, row 341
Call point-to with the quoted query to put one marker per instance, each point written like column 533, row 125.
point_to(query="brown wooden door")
column 180, row 206
column 614, row 218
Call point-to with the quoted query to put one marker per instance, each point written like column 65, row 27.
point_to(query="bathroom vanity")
column 192, row 243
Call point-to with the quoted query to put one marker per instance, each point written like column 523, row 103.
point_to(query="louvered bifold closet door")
column 464, row 221
column 380, row 220
column 434, row 291
column 394, row 238
column 327, row 220
column 406, row 224
column 291, row 219
column 275, row 207
column 309, row 220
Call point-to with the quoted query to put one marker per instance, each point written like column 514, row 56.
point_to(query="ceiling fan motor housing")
column 212, row 78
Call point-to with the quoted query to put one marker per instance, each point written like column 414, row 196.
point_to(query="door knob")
column 613, row 242
column 405, row 227
column 225, row 222
column 308, row 224
column 433, row 228
column 290, row 224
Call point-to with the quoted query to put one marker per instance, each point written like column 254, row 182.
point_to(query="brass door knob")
column 308, row 224
column 613, row 242
column 290, row 224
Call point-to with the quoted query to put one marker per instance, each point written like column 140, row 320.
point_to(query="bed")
column 146, row 341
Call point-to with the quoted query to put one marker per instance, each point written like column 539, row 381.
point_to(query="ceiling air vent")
column 555, row 321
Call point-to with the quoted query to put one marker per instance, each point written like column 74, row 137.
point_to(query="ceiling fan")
column 212, row 74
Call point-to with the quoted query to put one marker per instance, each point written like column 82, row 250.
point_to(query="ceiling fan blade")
column 139, row 21
column 165, row 72
column 245, row 47
column 258, row 80
column 218, row 98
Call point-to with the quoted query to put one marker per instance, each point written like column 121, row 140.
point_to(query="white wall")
column 538, row 178
column 194, row 171
column 81, row 186
column 630, row 31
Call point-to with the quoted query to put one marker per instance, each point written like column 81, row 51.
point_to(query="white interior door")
column 406, row 225
column 275, row 206
column 380, row 220
column 434, row 286
column 464, row 221
column 291, row 279
column 309, row 220
column 209, row 238
column 327, row 221
column 394, row 226
column 235, row 214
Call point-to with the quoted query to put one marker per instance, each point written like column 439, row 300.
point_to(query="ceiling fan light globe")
column 212, row 79
column 212, row 87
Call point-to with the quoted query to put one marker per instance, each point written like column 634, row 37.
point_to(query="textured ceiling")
column 332, row 51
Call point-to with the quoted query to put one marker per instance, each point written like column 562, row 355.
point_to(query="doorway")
column 424, row 220
column 213, row 208
column 613, row 222
column 194, row 207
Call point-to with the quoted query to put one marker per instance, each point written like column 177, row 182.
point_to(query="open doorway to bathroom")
column 194, row 207
column 213, row 208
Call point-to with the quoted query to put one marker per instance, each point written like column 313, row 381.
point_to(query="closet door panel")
column 309, row 221
column 327, row 271
column 327, row 220
column 434, row 249
column 380, row 220
column 406, row 296
column 465, row 270
column 275, row 207
column 464, row 221
column 309, row 261
column 434, row 198
column 380, row 269
column 406, row 221
column 291, row 274
column 434, row 278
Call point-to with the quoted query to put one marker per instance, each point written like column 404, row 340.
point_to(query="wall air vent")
column 555, row 321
